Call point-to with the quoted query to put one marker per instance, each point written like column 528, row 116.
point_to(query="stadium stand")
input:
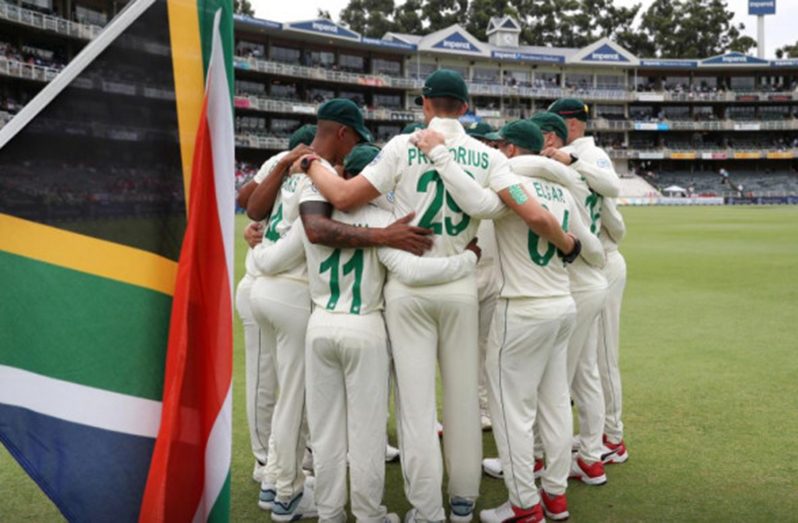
column 669, row 117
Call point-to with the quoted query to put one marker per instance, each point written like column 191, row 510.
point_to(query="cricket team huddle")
column 488, row 257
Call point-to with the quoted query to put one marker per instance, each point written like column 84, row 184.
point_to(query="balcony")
column 703, row 153
column 257, row 103
column 55, row 24
column 26, row 71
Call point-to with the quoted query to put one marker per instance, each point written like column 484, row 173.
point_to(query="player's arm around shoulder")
column 597, row 169
column 320, row 228
column 284, row 254
column 592, row 250
column 612, row 220
column 510, row 188
column 475, row 200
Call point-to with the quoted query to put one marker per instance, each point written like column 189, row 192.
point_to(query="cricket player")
column 437, row 322
column 260, row 378
column 612, row 231
column 534, row 317
column 347, row 358
column 589, row 290
column 281, row 304
column 487, row 283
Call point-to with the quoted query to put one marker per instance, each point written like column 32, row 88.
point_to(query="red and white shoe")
column 592, row 474
column 555, row 507
column 613, row 452
column 493, row 468
column 507, row 513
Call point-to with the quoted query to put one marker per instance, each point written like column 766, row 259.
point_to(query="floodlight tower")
column 760, row 8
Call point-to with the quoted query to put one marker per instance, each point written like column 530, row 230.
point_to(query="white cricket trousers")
column 281, row 307
column 428, row 325
column 609, row 327
column 583, row 373
column 260, row 374
column 528, row 381
column 347, row 362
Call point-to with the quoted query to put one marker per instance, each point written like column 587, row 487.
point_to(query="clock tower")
column 503, row 31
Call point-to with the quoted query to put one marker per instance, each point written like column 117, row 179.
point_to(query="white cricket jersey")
column 529, row 266
column 402, row 167
column 350, row 281
column 263, row 172
column 583, row 275
column 586, row 150
column 284, row 215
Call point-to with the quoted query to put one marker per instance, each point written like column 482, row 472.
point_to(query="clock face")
column 508, row 39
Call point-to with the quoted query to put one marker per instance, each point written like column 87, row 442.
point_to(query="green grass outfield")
column 710, row 366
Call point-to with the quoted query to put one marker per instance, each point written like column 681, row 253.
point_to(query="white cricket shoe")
column 507, row 513
column 266, row 496
column 301, row 506
column 493, row 468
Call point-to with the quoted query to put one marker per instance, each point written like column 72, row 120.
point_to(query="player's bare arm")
column 242, row 198
column 320, row 228
column 261, row 201
column 345, row 195
column 538, row 219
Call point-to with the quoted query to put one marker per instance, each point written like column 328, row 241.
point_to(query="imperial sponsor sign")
column 734, row 59
column 457, row 42
column 322, row 26
column 606, row 53
column 761, row 7
column 527, row 57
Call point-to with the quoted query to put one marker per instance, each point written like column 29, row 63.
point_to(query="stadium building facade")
column 668, row 122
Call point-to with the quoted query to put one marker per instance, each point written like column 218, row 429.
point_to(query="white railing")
column 285, row 106
column 706, row 153
column 26, row 71
column 56, row 24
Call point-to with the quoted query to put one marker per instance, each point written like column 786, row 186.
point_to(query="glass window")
column 282, row 127
column 321, row 59
column 422, row 70
column 610, row 112
column 247, row 87
column 351, row 63
column 391, row 101
column 578, row 80
column 285, row 55
column 610, row 81
column 520, row 78
column 319, row 95
column 386, row 67
column 460, row 69
column 358, row 98
column 247, row 49
column 281, row 90
column 741, row 83
column 544, row 79
column 745, row 112
column 486, row 76
column 677, row 112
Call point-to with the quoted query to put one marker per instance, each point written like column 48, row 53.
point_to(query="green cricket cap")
column 444, row 83
column 551, row 123
column 304, row 134
column 571, row 108
column 345, row 112
column 479, row 129
column 359, row 157
column 523, row 133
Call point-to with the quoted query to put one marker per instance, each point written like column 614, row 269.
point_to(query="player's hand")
column 253, row 233
column 427, row 140
column 556, row 154
column 295, row 157
column 576, row 249
column 473, row 246
column 401, row 235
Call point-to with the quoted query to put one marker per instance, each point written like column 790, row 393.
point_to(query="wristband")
column 306, row 161
column 574, row 254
